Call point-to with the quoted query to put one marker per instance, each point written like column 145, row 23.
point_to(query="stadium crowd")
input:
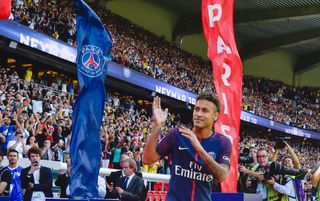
column 143, row 51
column 38, row 115
column 42, row 113
column 37, row 112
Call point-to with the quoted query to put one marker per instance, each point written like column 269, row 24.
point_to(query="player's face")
column 204, row 114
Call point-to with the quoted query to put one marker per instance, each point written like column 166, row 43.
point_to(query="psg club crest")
column 91, row 61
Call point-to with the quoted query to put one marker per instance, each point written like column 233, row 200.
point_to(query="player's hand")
column 186, row 132
column 159, row 115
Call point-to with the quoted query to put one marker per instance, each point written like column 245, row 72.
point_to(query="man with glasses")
column 264, row 188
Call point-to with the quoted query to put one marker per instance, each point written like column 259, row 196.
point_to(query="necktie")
column 126, row 182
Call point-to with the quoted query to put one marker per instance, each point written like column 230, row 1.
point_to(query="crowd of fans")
column 282, row 103
column 143, row 51
column 37, row 112
column 54, row 18
column 33, row 114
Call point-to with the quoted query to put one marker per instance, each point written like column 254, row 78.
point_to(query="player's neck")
column 202, row 132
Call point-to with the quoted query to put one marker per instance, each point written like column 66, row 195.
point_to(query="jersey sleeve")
column 6, row 177
column 224, row 157
column 165, row 145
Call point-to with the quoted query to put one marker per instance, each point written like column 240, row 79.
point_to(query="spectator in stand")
column 16, row 193
column 63, row 181
column 8, row 131
column 131, row 186
column 31, row 142
column 36, row 179
column 17, row 144
column 114, row 177
column 5, row 179
column 47, row 153
column 139, row 49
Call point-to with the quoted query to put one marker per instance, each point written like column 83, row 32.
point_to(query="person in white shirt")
column 17, row 144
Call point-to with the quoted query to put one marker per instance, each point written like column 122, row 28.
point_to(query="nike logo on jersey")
column 182, row 148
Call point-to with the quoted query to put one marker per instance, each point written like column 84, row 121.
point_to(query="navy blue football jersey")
column 190, row 179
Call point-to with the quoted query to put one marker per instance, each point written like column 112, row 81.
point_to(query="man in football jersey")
column 200, row 156
column 15, row 171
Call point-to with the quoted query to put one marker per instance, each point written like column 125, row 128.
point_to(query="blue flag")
column 94, row 44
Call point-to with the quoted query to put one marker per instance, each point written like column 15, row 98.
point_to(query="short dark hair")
column 209, row 97
column 12, row 150
column 286, row 158
column 34, row 150
column 1, row 153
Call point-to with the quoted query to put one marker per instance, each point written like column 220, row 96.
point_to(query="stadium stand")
column 42, row 105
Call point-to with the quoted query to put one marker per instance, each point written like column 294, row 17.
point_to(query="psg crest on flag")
column 92, row 61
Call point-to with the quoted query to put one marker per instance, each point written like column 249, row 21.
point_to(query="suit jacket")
column 114, row 178
column 45, row 182
column 136, row 190
column 63, row 182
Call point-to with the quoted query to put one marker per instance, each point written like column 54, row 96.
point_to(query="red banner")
column 217, row 22
column 5, row 9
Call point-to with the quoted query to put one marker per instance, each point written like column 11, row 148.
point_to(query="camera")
column 280, row 144
column 244, row 157
column 278, row 169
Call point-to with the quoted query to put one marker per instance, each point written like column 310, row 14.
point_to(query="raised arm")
column 150, row 154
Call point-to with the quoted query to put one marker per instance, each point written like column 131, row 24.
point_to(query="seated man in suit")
column 131, row 187
column 36, row 179
column 114, row 177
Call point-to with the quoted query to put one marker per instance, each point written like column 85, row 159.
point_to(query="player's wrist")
column 157, row 125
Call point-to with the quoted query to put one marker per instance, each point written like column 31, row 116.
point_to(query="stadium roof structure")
column 278, row 39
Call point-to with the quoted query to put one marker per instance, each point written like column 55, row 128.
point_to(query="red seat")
column 157, row 197
column 166, row 186
column 150, row 196
column 157, row 186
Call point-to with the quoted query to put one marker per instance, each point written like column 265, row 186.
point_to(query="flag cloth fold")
column 94, row 44
column 5, row 9
column 217, row 22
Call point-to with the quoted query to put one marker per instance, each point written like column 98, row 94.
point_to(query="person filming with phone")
column 36, row 179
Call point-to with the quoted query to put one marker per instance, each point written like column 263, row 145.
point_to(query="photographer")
column 295, row 184
column 264, row 188
column 286, row 146
column 285, row 185
column 248, row 159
